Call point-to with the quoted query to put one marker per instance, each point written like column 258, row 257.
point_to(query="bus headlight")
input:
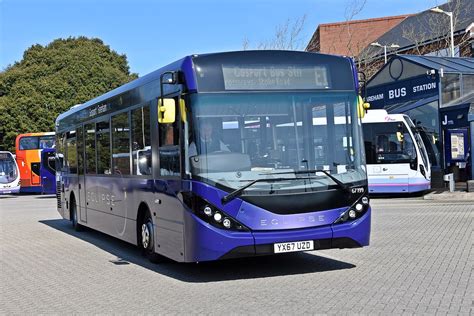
column 210, row 213
column 227, row 223
column 355, row 211
column 218, row 217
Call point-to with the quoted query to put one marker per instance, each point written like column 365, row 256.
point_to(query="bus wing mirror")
column 166, row 111
column 423, row 172
column 362, row 107
column 400, row 137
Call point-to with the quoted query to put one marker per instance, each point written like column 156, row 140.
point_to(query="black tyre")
column 146, row 239
column 74, row 216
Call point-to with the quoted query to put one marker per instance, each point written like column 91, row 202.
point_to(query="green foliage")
column 51, row 79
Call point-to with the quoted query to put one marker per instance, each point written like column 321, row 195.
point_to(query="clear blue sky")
column 154, row 33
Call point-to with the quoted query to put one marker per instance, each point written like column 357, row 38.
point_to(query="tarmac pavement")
column 420, row 261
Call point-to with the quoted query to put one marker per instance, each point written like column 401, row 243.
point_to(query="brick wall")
column 349, row 38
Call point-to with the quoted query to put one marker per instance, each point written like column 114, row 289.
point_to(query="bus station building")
column 437, row 93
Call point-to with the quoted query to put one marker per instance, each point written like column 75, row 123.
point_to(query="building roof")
column 449, row 64
column 414, row 65
column 425, row 27
column 350, row 37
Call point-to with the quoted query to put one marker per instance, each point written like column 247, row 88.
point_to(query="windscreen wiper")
column 239, row 191
column 342, row 185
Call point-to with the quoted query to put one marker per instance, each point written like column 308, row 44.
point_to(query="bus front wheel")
column 146, row 239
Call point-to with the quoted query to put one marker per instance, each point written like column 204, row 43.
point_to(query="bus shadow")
column 46, row 196
column 225, row 270
column 6, row 196
column 413, row 195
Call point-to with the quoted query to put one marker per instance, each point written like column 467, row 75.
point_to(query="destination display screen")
column 275, row 77
column 272, row 71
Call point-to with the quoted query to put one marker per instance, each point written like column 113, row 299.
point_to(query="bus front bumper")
column 13, row 190
column 205, row 242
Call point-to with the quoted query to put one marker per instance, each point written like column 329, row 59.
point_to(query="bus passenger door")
column 169, row 232
column 82, row 198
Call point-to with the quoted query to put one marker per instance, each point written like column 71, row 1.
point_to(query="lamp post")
column 385, row 48
column 450, row 14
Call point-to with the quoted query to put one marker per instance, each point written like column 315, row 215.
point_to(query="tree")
column 51, row 79
column 287, row 37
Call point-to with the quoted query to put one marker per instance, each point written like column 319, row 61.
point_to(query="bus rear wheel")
column 146, row 239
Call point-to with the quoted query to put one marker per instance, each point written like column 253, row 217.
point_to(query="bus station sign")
column 402, row 91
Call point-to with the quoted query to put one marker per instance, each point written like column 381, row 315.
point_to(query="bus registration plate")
column 293, row 246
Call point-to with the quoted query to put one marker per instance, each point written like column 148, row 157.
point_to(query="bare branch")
column 288, row 36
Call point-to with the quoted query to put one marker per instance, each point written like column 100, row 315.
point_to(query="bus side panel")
column 388, row 178
column 28, row 160
column 70, row 188
column 105, row 205
column 417, row 182
column 48, row 181
column 33, row 160
column 169, row 221
column 139, row 191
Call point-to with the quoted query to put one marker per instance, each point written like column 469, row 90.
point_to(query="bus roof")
column 187, row 66
column 34, row 134
column 379, row 116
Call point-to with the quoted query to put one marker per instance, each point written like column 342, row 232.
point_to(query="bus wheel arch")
column 73, row 215
column 146, row 233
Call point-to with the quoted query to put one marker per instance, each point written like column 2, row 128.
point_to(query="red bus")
column 28, row 157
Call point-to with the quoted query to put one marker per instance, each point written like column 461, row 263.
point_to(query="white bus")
column 9, row 174
column 397, row 161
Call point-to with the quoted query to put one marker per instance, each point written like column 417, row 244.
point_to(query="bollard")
column 449, row 178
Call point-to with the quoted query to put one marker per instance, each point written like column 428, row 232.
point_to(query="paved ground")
column 420, row 261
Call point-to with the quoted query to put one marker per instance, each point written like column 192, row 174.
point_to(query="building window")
column 121, row 144
column 467, row 84
column 450, row 88
column 141, row 144
column 103, row 147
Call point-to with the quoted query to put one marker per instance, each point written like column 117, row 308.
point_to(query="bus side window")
column 103, row 147
column 80, row 149
column 71, row 151
column 121, row 144
column 169, row 148
column 90, row 148
column 141, row 144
